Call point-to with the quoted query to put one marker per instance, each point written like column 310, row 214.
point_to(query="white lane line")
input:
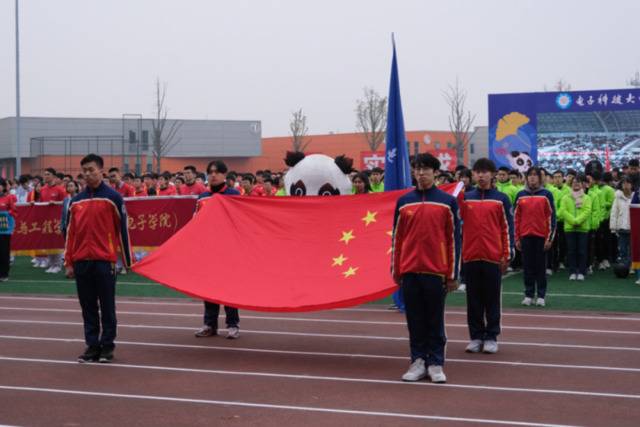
column 331, row 378
column 198, row 305
column 309, row 334
column 274, row 406
column 320, row 320
column 549, row 294
column 328, row 354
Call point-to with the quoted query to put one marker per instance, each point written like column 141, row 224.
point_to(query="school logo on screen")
column 564, row 101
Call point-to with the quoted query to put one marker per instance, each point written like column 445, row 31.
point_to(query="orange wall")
column 273, row 153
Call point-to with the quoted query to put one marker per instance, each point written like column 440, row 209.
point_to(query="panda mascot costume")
column 317, row 175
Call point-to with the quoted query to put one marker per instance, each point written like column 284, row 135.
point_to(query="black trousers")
column 559, row 248
column 534, row 262
column 606, row 247
column 484, row 283
column 424, row 296
column 578, row 244
column 5, row 254
column 96, row 285
column 212, row 310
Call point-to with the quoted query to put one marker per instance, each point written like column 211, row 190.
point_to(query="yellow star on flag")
column 369, row 218
column 350, row 272
column 339, row 261
column 346, row 236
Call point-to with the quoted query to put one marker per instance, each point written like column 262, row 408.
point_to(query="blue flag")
column 397, row 170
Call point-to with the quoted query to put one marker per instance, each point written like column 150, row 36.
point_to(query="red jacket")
column 97, row 227
column 535, row 214
column 194, row 189
column 141, row 193
column 487, row 226
column 8, row 203
column 52, row 193
column 125, row 189
column 426, row 235
column 169, row 191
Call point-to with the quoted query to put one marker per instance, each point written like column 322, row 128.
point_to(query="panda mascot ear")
column 515, row 153
column 344, row 163
column 293, row 158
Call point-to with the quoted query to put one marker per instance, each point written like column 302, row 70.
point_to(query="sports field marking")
column 329, row 378
column 272, row 406
column 319, row 320
column 198, row 304
column 328, row 354
column 549, row 294
column 311, row 334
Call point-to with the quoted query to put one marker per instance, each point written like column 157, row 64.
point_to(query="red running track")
column 333, row 368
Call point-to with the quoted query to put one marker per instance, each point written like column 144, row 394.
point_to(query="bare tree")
column 164, row 131
column 371, row 114
column 559, row 86
column 460, row 120
column 635, row 80
column 299, row 129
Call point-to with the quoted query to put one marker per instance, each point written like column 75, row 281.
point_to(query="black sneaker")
column 106, row 354
column 91, row 354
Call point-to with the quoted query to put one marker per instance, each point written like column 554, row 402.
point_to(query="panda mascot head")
column 317, row 175
column 520, row 161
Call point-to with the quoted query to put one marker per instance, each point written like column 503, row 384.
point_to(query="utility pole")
column 18, row 170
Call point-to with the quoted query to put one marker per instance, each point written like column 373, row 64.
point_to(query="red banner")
column 152, row 220
column 38, row 229
column 634, row 217
column 375, row 159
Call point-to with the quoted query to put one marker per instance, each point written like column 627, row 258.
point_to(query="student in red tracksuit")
column 119, row 185
column 425, row 263
column 165, row 188
column 487, row 248
column 96, row 232
column 535, row 226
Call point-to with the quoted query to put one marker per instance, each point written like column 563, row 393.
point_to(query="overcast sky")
column 264, row 59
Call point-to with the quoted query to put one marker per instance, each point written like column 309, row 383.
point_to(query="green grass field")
column 600, row 292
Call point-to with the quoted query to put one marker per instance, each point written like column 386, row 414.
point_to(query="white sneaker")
column 580, row 278
column 606, row 263
column 233, row 332
column 590, row 270
column 561, row 266
column 474, row 346
column 490, row 347
column 48, row 270
column 549, row 272
column 602, row 266
column 416, row 372
column 527, row 301
column 573, row 277
column 462, row 287
column 509, row 269
column 437, row 374
column 540, row 302
column 55, row 269
column 638, row 282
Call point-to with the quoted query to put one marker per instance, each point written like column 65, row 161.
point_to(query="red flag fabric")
column 634, row 217
column 281, row 253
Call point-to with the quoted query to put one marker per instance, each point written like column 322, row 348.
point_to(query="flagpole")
column 18, row 170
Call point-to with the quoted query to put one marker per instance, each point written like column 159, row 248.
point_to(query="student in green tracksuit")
column 559, row 250
column 576, row 215
column 504, row 184
column 605, row 242
column 376, row 180
column 596, row 216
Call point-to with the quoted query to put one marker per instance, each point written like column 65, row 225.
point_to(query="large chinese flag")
column 281, row 253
